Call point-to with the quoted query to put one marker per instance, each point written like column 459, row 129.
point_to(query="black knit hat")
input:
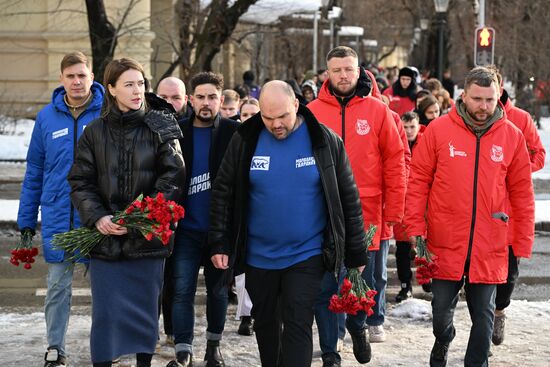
column 407, row 72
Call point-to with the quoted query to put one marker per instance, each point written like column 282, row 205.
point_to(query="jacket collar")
column 251, row 128
column 362, row 90
column 97, row 99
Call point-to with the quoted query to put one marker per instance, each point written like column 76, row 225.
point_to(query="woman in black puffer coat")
column 132, row 149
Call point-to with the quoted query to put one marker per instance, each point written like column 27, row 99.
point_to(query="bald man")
column 284, row 209
column 172, row 90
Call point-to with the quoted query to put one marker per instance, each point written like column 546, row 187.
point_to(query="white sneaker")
column 377, row 334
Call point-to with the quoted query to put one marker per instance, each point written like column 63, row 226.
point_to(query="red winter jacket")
column 463, row 182
column 523, row 121
column 399, row 230
column 374, row 148
column 398, row 104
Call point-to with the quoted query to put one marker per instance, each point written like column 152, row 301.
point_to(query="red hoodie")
column 375, row 151
column 464, row 182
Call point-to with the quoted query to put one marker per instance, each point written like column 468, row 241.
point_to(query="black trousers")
column 167, row 298
column 403, row 262
column 283, row 313
column 505, row 290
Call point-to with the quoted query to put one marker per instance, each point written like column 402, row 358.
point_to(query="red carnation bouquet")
column 354, row 294
column 150, row 216
column 24, row 253
column 426, row 262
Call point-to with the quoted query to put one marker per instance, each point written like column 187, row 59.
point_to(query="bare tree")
column 204, row 31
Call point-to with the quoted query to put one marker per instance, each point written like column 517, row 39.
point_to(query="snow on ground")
column 409, row 338
column 15, row 144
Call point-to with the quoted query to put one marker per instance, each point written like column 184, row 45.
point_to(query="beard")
column 475, row 115
column 203, row 118
column 350, row 89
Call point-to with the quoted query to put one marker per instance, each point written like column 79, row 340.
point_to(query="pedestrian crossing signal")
column 484, row 47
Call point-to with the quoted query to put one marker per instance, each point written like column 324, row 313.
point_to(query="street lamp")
column 441, row 7
column 324, row 4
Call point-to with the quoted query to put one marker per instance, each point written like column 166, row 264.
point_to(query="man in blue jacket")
column 76, row 103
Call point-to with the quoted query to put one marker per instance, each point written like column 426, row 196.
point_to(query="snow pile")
column 15, row 137
column 412, row 308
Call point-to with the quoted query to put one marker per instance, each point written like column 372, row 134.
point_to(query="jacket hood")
column 363, row 88
column 59, row 93
column 375, row 92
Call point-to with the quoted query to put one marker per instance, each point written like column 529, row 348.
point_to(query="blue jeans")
column 376, row 276
column 331, row 326
column 190, row 253
column 57, row 305
column 481, row 305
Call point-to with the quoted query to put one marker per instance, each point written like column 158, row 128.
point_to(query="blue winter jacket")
column 49, row 159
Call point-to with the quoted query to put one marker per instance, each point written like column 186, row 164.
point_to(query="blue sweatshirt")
column 287, row 208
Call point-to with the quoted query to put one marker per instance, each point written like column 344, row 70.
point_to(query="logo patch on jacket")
column 60, row 133
column 304, row 162
column 260, row 163
column 456, row 153
column 362, row 127
column 497, row 155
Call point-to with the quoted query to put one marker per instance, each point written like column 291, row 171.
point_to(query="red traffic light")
column 484, row 50
column 485, row 37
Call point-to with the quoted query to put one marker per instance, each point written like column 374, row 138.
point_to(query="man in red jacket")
column 375, row 150
column 523, row 121
column 473, row 154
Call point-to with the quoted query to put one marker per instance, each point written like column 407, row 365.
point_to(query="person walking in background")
column 248, row 81
column 285, row 178
column 205, row 138
column 131, row 149
column 403, row 254
column 523, row 121
column 428, row 110
column 53, row 143
column 475, row 154
column 249, row 108
column 376, row 155
column 172, row 90
column 230, row 106
column 402, row 93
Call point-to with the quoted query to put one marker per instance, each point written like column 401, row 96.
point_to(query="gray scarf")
column 478, row 130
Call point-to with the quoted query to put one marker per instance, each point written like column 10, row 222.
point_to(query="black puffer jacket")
column 344, row 239
column 118, row 158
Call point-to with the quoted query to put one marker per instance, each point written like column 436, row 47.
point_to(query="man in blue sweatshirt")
column 284, row 208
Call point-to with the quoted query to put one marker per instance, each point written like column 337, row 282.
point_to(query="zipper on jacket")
column 330, row 214
column 75, row 142
column 474, row 208
column 344, row 124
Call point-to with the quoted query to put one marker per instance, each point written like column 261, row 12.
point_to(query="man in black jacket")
column 284, row 208
column 205, row 139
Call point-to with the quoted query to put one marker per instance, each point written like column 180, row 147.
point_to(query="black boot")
column 246, row 327
column 213, row 355
column 183, row 359
column 361, row 346
column 143, row 359
column 438, row 356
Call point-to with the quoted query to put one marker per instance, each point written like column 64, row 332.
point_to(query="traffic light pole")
column 481, row 14
column 440, row 45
